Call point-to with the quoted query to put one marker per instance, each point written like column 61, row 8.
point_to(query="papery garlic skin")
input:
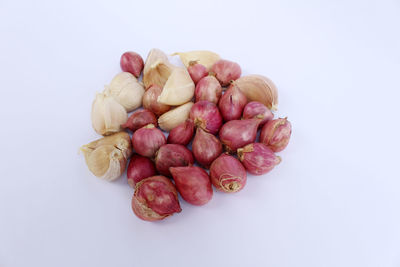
column 203, row 57
column 174, row 117
column 106, row 158
column 157, row 69
column 126, row 89
column 179, row 88
column 258, row 88
column 107, row 114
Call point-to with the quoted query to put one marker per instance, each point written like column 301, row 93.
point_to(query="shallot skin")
column 258, row 110
column 238, row 133
column 228, row 174
column 139, row 168
column 206, row 116
column 139, row 119
column 181, row 134
column 206, row 147
column 197, row 71
column 226, row 71
column 147, row 140
column 172, row 155
column 232, row 103
column 208, row 88
column 149, row 100
column 132, row 62
column 257, row 158
column 276, row 134
column 193, row 183
column 155, row 198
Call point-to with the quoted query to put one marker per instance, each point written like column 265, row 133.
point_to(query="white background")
column 333, row 201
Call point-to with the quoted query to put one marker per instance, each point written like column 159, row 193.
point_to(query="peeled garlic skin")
column 232, row 103
column 197, row 71
column 155, row 198
column 257, row 158
column 258, row 88
column 106, row 157
column 149, row 100
column 172, row 155
column 206, row 116
column 171, row 119
column 181, row 134
column 205, row 147
column 276, row 134
column 258, row 110
column 139, row 119
column 228, row 174
column 238, row 133
column 107, row 115
column 139, row 168
column 226, row 71
column 132, row 62
column 147, row 140
column 193, row 183
column 208, row 88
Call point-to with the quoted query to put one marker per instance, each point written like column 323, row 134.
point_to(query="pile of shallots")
column 206, row 106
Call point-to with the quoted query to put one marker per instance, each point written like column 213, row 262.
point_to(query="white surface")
column 333, row 201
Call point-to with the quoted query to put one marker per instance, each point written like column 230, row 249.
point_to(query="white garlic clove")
column 106, row 158
column 174, row 117
column 126, row 89
column 178, row 89
column 107, row 115
column 203, row 57
column 157, row 68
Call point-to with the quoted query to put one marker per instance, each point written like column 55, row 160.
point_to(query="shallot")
column 193, row 183
column 206, row 147
column 139, row 168
column 228, row 174
column 172, row 155
column 276, row 134
column 232, row 103
column 257, row 158
column 147, row 140
column 238, row 133
column 181, row 134
column 139, row 119
column 155, row 199
column 206, row 116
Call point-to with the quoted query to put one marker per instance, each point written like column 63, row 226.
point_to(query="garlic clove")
column 126, row 89
column 107, row 114
column 258, row 88
column 178, row 89
column 157, row 68
column 106, row 158
column 174, row 117
column 203, row 57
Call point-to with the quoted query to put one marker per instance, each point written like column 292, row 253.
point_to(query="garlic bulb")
column 203, row 57
column 156, row 69
column 107, row 114
column 258, row 88
column 106, row 157
column 126, row 89
column 174, row 117
column 178, row 89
